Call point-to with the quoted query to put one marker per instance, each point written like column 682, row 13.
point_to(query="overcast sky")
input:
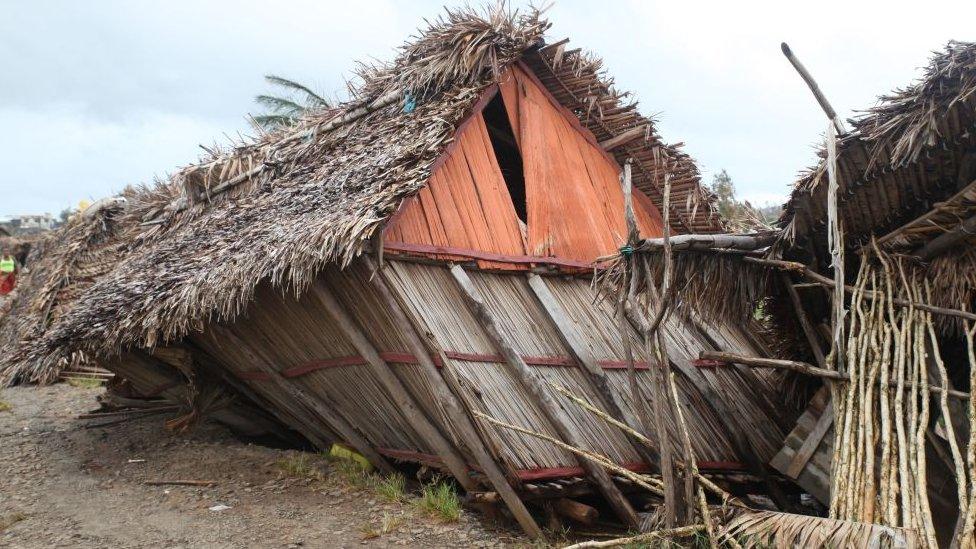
column 99, row 94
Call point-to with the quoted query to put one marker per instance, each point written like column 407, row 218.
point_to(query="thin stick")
column 711, row 486
column 180, row 483
column 681, row 532
column 640, row 480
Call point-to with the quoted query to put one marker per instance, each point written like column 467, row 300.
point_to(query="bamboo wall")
column 300, row 340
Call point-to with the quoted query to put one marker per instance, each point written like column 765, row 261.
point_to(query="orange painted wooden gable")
column 573, row 199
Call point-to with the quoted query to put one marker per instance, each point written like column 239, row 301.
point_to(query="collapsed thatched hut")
column 383, row 270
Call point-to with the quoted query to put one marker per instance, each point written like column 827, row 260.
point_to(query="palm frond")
column 313, row 99
column 280, row 105
column 771, row 529
column 273, row 121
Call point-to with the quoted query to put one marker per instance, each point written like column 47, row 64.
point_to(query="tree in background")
column 286, row 110
column 741, row 216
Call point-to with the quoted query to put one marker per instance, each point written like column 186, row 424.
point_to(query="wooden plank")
column 382, row 372
column 554, row 413
column 408, row 321
column 624, row 138
column 568, row 332
column 810, row 444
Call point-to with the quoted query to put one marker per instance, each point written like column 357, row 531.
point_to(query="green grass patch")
column 439, row 500
column 392, row 488
column 5, row 406
column 300, row 465
column 6, row 521
column 354, row 474
column 85, row 382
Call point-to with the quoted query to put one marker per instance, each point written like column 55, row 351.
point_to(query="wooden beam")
column 939, row 207
column 442, row 387
column 814, row 88
column 566, row 329
column 625, row 137
column 411, row 411
column 801, row 367
column 549, row 407
column 709, row 242
column 330, row 416
column 828, row 283
column 576, row 511
column 946, row 241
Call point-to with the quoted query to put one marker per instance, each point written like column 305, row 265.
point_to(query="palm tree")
column 285, row 111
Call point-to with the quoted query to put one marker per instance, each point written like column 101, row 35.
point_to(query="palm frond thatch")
column 771, row 529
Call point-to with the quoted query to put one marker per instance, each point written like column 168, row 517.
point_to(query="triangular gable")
column 573, row 201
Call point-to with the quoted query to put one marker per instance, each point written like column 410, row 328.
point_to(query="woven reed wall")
column 289, row 334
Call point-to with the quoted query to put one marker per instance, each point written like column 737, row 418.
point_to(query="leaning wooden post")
column 549, row 407
column 570, row 337
column 627, row 285
column 404, row 401
column 442, row 388
column 835, row 229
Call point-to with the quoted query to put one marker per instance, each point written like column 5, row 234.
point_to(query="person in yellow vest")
column 8, row 272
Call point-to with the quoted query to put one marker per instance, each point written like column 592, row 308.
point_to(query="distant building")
column 28, row 224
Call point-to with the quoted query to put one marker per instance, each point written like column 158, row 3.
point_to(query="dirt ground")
column 65, row 485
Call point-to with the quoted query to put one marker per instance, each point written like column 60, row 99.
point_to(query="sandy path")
column 75, row 487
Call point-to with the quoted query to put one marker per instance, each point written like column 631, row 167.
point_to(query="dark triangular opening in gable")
column 507, row 153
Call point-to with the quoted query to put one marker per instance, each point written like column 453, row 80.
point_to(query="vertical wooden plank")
column 552, row 410
column 381, row 370
column 442, row 388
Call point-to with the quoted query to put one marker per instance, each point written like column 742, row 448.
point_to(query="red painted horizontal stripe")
column 409, row 358
column 254, row 375
column 531, row 360
column 465, row 253
column 528, row 475
column 310, row 367
column 621, row 364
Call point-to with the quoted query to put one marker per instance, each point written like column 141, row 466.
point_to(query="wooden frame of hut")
column 385, row 270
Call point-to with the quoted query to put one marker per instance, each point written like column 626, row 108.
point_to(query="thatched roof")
column 903, row 157
column 194, row 247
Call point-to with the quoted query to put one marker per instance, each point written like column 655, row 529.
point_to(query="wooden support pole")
column 331, row 417
column 868, row 294
column 740, row 439
column 566, row 329
column 814, row 88
column 550, row 408
column 801, row 367
column 946, row 241
column 442, row 387
column 414, row 415
column 711, row 242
